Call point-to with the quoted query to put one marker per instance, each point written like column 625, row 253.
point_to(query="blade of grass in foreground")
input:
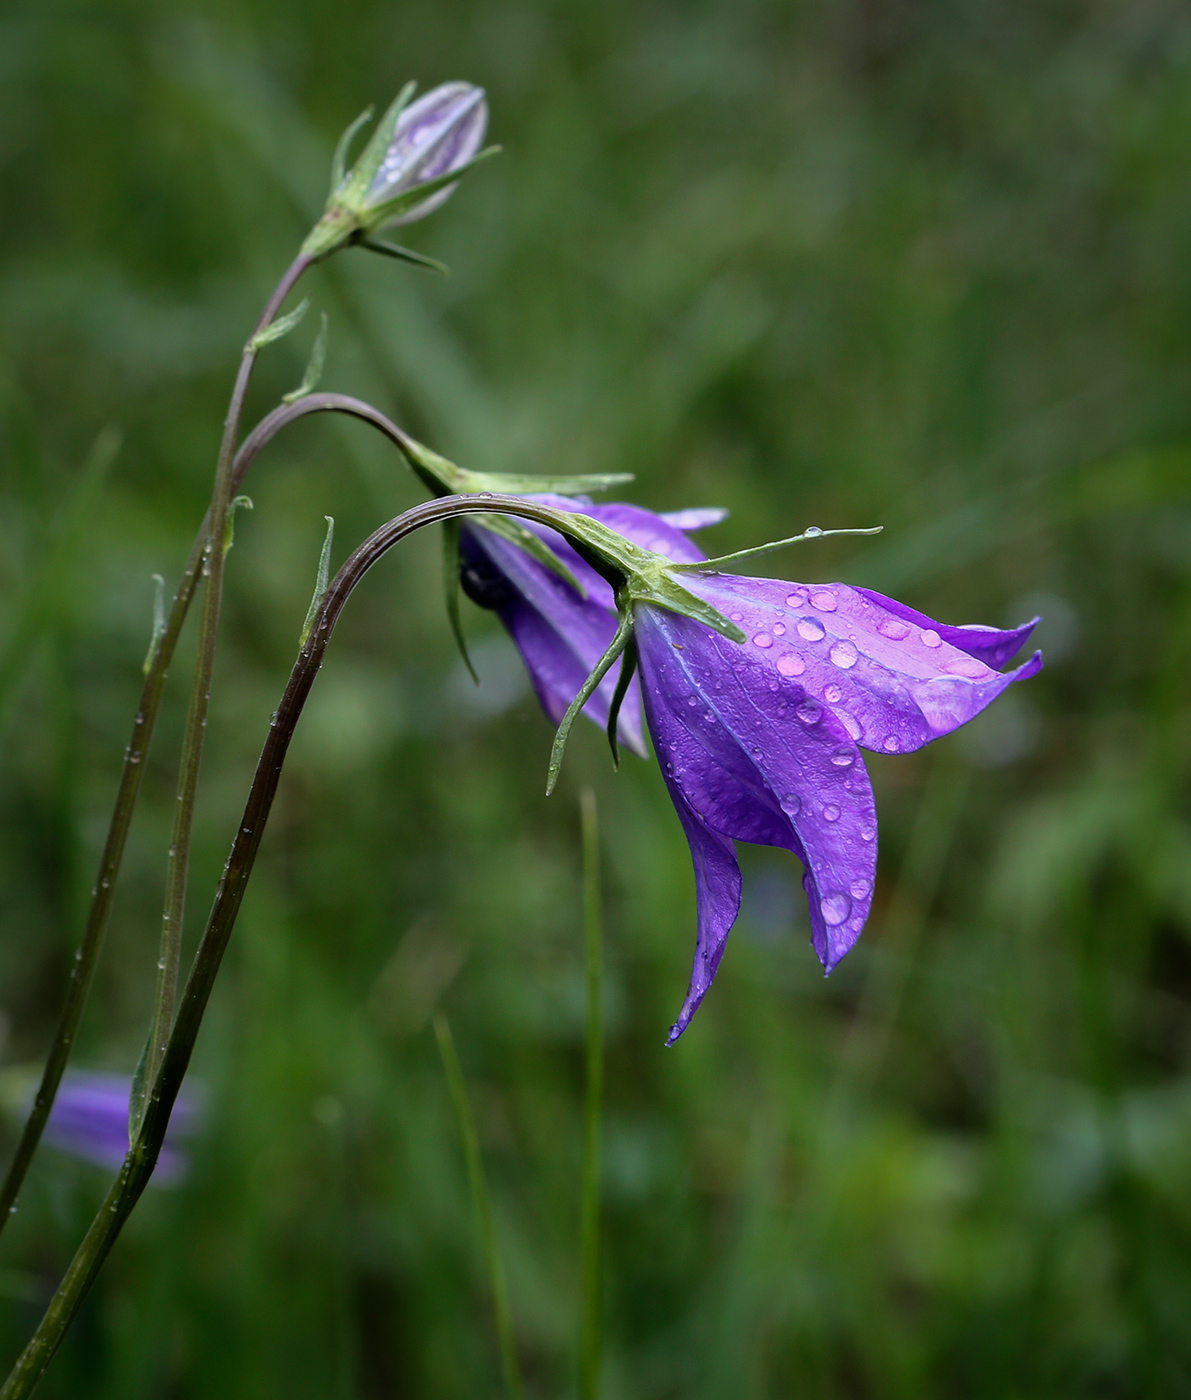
column 483, row 1207
column 590, row 1347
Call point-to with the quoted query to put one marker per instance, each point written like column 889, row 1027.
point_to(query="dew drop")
column 779, row 629
column 824, row 600
column 843, row 758
column 791, row 804
column 797, row 600
column 833, row 694
column 844, row 655
column 836, row 908
column 968, row 667
column 810, row 629
column 808, row 712
column 892, row 743
column 867, row 833
column 930, row 638
column 811, row 531
column 692, row 700
column 791, row 665
column 736, row 617
column 857, row 924
column 893, row 628
column 860, row 889
column 831, row 813
column 762, row 640
column 850, row 723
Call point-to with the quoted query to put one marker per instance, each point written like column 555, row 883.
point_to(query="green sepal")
column 812, row 532
column 320, row 583
column 628, row 666
column 450, row 581
column 339, row 159
column 281, row 326
column 395, row 250
column 355, row 189
column 513, row 484
column 158, row 622
column 624, row 630
column 512, row 530
column 314, row 367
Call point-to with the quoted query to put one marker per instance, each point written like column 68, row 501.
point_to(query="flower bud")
column 406, row 170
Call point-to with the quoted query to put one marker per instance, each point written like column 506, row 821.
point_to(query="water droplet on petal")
column 843, row 758
column 810, row 629
column 791, row 665
column 968, row 667
column 811, row 531
column 836, row 908
column 844, row 655
column 779, row 629
column 860, row 889
column 930, row 638
column 831, row 813
column 893, row 628
column 892, row 743
column 857, row 924
column 692, row 700
column 867, row 833
column 797, row 600
column 736, row 617
column 791, row 804
column 808, row 712
column 833, row 694
column 851, row 724
column 762, row 639
column 824, row 600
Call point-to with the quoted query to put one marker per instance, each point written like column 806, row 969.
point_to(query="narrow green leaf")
column 281, row 326
column 811, row 533
column 364, row 171
column 450, row 581
column 320, row 584
column 394, row 250
column 339, row 159
column 229, row 532
column 314, row 366
column 514, row 484
column 624, row 630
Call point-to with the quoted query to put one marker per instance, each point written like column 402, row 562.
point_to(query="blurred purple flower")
column 761, row 742
column 559, row 634
column 438, row 133
column 90, row 1120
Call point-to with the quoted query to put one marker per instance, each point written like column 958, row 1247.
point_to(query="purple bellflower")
column 560, row 633
column 90, row 1120
column 407, row 169
column 759, row 695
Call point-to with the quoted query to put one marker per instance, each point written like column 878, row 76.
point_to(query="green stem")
column 590, row 1343
column 483, row 1208
column 138, row 1165
column 178, row 864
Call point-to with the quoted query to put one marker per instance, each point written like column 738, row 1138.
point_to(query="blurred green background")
column 927, row 266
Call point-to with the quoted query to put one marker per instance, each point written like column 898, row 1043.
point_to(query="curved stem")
column 138, row 1165
column 218, row 540
column 87, row 955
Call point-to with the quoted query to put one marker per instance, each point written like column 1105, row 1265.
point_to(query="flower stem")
column 217, row 543
column 142, row 1157
column 590, row 1343
column 483, row 1208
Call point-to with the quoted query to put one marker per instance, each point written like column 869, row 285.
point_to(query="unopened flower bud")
column 406, row 170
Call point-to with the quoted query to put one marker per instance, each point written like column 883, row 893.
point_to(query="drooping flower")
column 90, row 1120
column 761, row 741
column 560, row 633
column 759, row 695
column 405, row 171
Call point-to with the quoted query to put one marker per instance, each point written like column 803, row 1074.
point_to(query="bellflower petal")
column 988, row 644
column 560, row 634
column 438, row 133
column 90, row 1120
column 761, row 742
